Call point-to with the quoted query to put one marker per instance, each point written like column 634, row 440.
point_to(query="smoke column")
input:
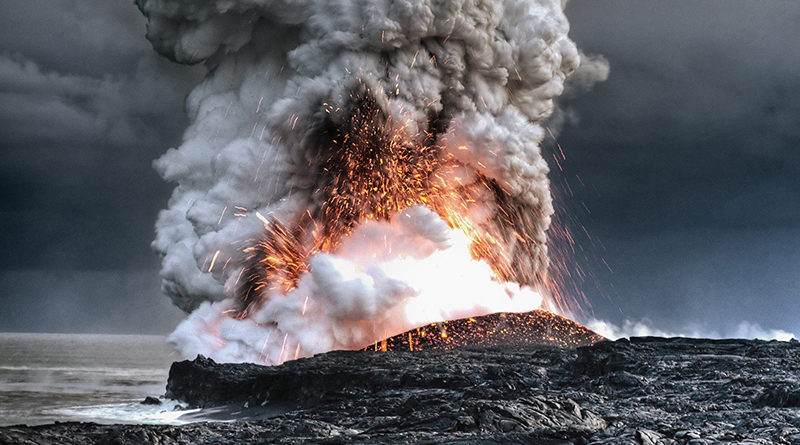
column 354, row 169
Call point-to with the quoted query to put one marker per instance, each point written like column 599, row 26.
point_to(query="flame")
column 400, row 232
column 373, row 169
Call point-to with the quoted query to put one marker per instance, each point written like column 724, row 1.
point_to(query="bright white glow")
column 387, row 277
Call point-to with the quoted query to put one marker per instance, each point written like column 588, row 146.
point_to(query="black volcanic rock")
column 203, row 382
column 781, row 396
column 642, row 391
column 150, row 401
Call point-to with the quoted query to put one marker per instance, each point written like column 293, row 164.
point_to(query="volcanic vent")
column 500, row 329
column 357, row 169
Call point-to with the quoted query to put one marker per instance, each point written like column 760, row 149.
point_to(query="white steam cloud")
column 479, row 77
column 644, row 328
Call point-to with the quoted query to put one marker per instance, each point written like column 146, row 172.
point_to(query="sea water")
column 79, row 377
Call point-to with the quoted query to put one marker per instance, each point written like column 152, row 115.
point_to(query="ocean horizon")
column 49, row 377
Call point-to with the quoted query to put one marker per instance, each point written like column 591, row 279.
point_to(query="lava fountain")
column 357, row 169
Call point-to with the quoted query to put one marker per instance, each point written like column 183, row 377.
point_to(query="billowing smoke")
column 354, row 169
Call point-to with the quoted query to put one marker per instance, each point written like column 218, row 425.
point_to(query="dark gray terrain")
column 646, row 391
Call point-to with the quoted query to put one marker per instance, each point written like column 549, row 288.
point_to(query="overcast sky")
column 687, row 156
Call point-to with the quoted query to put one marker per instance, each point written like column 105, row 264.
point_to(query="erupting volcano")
column 357, row 169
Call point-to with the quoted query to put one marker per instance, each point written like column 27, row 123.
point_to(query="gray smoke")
column 478, row 77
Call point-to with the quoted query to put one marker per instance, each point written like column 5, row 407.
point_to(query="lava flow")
column 500, row 329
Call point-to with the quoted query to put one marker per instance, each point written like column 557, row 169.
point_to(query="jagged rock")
column 647, row 437
column 782, row 396
column 150, row 401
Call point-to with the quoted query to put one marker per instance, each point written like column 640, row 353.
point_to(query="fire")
column 373, row 169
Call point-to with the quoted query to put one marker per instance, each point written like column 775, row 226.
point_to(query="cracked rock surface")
column 642, row 391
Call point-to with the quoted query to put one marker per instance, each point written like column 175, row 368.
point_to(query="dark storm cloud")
column 705, row 104
column 689, row 156
column 85, row 301
column 86, row 106
column 64, row 108
column 86, row 37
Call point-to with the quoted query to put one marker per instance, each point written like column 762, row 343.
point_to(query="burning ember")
column 356, row 170
column 371, row 172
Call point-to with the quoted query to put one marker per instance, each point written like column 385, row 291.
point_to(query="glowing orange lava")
column 504, row 329
column 372, row 169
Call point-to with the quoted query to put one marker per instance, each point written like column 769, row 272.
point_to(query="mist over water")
column 80, row 377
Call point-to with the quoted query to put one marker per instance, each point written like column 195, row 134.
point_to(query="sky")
column 682, row 167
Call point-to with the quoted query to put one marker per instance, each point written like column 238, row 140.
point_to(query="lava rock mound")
column 501, row 329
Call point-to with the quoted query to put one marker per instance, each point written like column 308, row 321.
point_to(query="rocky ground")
column 642, row 391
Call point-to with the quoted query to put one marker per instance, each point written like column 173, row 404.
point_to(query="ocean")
column 84, row 377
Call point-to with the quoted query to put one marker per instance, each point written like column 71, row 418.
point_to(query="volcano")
column 537, row 327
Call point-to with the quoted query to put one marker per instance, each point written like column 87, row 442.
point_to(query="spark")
column 264, row 346
column 213, row 260
column 373, row 170
column 221, row 215
column 283, row 347
column 414, row 60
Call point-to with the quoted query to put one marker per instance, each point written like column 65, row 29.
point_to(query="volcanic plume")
column 356, row 169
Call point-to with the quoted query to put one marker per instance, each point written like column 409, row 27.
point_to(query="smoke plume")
column 354, row 169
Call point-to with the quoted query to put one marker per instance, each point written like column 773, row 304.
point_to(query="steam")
column 644, row 328
column 470, row 82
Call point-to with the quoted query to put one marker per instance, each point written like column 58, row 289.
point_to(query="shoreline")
column 643, row 390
